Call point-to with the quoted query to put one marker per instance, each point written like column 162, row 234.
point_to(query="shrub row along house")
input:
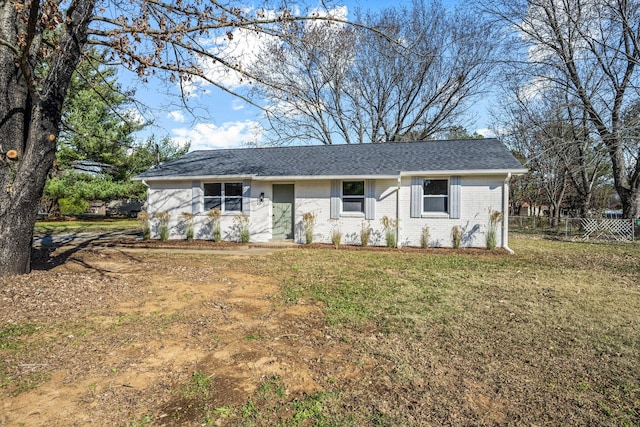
column 392, row 191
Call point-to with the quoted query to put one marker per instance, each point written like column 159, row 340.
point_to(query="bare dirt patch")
column 113, row 337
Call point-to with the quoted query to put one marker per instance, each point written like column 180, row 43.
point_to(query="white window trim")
column 435, row 214
column 352, row 214
column 355, row 214
column 223, row 211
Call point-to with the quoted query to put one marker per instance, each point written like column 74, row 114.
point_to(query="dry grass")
column 550, row 336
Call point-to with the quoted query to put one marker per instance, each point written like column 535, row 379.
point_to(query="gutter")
column 148, row 187
column 256, row 177
column 505, row 215
column 261, row 177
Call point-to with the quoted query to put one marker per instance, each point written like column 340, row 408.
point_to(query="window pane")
column 213, row 189
column 212, row 203
column 353, row 188
column 353, row 204
column 233, row 203
column 233, row 189
column 435, row 187
column 435, row 204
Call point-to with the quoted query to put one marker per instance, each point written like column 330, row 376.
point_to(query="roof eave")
column 461, row 172
column 466, row 172
column 189, row 178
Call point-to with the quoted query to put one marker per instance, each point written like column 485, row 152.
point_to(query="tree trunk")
column 30, row 114
column 21, row 198
column 585, row 204
column 630, row 203
column 628, row 190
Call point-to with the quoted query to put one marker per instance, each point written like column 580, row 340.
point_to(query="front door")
column 282, row 219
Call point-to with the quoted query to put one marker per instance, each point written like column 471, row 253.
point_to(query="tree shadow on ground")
column 54, row 251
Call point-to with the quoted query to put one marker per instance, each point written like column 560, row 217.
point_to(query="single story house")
column 434, row 184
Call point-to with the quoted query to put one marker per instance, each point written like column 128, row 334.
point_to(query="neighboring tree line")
column 571, row 100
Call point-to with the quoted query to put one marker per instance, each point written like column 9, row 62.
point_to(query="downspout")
column 398, row 211
column 147, row 203
column 505, row 215
column 148, row 187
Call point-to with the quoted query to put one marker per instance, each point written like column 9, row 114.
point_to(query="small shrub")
column 495, row 217
column 241, row 227
column 145, row 226
column 424, row 237
column 72, row 206
column 456, row 236
column 365, row 233
column 188, row 217
column 308, row 222
column 390, row 226
column 214, row 220
column 163, row 227
column 336, row 237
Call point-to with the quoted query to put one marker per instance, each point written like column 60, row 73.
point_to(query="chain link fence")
column 578, row 228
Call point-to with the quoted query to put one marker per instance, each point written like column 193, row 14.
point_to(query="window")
column 224, row 196
column 353, row 196
column 435, row 194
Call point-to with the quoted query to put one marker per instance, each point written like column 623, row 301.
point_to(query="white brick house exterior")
column 443, row 185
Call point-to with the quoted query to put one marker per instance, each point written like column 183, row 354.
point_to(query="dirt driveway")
column 106, row 337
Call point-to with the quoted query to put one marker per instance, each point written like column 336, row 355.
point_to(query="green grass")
column 80, row 226
column 11, row 336
column 550, row 335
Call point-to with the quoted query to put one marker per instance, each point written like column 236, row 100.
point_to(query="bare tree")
column 553, row 136
column 41, row 44
column 535, row 140
column 589, row 49
column 415, row 76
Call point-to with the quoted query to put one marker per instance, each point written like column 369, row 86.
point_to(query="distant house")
column 90, row 167
column 435, row 184
column 99, row 207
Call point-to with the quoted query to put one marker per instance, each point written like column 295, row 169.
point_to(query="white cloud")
column 486, row 132
column 177, row 116
column 237, row 105
column 206, row 136
column 242, row 50
column 134, row 116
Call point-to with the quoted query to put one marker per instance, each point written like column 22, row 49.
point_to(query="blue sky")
column 218, row 119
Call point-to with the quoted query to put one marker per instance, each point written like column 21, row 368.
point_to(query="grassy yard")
column 85, row 226
column 549, row 336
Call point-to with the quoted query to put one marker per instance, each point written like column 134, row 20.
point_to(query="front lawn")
column 326, row 337
column 549, row 336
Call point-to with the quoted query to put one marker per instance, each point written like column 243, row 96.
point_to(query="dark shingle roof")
column 387, row 159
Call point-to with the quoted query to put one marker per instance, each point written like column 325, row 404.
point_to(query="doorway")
column 282, row 217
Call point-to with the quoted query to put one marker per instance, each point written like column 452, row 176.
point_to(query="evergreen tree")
column 97, row 151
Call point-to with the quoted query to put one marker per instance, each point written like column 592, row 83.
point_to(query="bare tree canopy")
column 590, row 51
column 42, row 43
column 555, row 141
column 343, row 84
